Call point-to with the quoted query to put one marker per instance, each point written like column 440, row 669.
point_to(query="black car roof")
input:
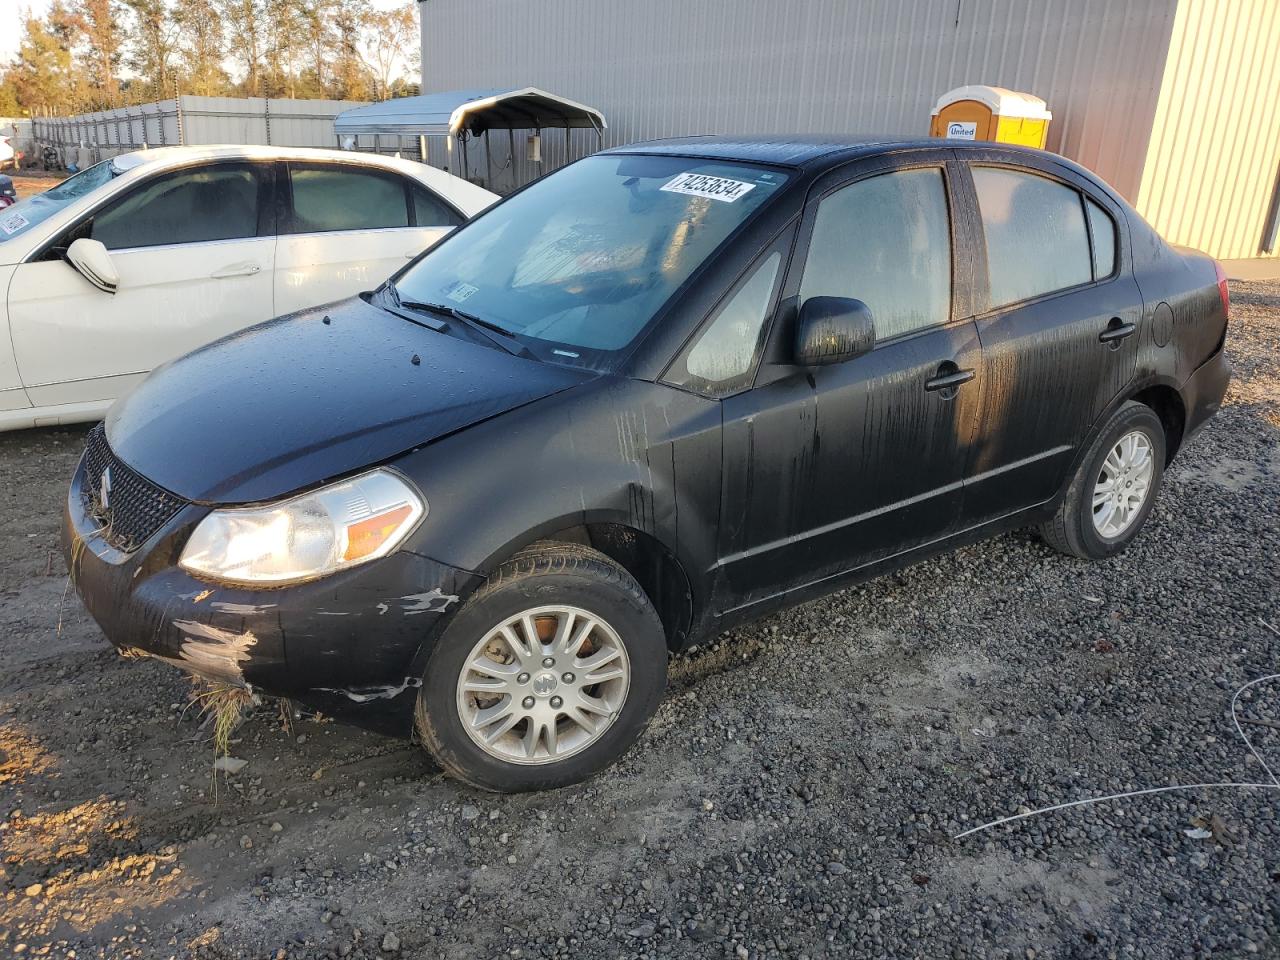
column 792, row 151
column 815, row 154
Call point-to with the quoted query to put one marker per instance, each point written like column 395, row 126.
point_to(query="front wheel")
column 1114, row 489
column 547, row 674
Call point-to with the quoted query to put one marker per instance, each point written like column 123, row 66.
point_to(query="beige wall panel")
column 1215, row 144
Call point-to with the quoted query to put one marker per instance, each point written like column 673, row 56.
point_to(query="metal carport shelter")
column 464, row 114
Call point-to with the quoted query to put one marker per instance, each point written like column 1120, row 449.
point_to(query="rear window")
column 1037, row 239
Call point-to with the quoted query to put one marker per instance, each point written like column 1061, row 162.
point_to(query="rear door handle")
column 1116, row 331
column 237, row 270
column 948, row 381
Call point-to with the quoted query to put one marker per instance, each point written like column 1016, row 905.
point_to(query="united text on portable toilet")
column 979, row 112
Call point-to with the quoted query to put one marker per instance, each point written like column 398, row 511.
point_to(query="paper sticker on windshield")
column 13, row 223
column 462, row 292
column 713, row 188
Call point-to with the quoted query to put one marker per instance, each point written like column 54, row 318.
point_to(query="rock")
column 643, row 931
column 390, row 943
column 34, row 890
column 470, row 812
column 230, row 764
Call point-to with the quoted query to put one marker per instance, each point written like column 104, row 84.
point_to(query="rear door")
column 833, row 467
column 348, row 227
column 1061, row 310
column 195, row 254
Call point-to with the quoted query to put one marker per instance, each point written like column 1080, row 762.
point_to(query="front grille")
column 134, row 509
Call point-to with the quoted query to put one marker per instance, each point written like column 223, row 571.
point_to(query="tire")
column 576, row 584
column 1073, row 529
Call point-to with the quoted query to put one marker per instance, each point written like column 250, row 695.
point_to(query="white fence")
column 89, row 137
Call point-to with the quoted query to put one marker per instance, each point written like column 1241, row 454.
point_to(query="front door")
column 350, row 227
column 1059, row 340
column 833, row 467
column 193, row 267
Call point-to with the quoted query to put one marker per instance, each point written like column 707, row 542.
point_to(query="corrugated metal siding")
column 1215, row 148
column 90, row 137
column 672, row 67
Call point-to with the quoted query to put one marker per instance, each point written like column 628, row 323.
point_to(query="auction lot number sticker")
column 713, row 188
column 13, row 223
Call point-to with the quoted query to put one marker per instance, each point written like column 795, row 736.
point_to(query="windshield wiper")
column 490, row 331
column 393, row 304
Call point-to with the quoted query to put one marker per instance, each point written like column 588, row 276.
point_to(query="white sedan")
column 147, row 256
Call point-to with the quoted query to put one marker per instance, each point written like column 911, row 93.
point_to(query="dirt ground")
column 798, row 794
column 30, row 182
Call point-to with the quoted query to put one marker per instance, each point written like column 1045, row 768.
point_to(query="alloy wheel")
column 543, row 685
column 1123, row 484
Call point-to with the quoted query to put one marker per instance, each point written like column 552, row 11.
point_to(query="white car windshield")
column 25, row 214
column 579, row 264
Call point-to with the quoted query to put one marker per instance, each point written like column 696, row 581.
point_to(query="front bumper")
column 349, row 644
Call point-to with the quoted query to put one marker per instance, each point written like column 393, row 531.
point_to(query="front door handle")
column 237, row 270
column 1116, row 331
column 948, row 380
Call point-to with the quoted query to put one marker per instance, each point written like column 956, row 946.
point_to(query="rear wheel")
column 1114, row 489
column 546, row 676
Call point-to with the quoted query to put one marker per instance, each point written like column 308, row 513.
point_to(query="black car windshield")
column 25, row 214
column 578, row 265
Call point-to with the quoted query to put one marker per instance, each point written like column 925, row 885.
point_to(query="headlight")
column 307, row 536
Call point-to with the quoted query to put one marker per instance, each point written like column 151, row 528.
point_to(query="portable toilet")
column 979, row 112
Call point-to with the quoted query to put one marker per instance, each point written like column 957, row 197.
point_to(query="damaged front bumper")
column 350, row 644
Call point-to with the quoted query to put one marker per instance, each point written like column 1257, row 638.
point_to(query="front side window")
column 328, row 199
column 190, row 206
column 887, row 242
column 579, row 264
column 1037, row 241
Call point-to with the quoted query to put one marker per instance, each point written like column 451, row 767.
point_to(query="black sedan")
column 664, row 390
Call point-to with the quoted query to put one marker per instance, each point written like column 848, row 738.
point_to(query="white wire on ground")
column 1235, row 719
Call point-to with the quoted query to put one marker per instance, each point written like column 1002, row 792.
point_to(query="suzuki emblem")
column 104, row 489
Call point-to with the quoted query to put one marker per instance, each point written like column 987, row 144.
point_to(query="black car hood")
column 295, row 401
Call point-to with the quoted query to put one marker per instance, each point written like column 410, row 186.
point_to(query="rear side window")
column 1037, row 241
column 1103, row 230
column 327, row 199
column 430, row 211
column 190, row 206
column 887, row 242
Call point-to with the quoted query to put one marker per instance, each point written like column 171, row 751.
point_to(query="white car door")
column 194, row 250
column 348, row 228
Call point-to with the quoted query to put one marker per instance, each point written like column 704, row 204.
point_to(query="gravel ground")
column 797, row 795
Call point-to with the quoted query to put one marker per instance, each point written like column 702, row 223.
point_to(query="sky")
column 11, row 12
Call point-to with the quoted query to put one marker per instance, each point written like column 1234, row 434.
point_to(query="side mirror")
column 833, row 330
column 93, row 262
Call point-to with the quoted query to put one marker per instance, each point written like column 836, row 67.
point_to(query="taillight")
column 1222, row 288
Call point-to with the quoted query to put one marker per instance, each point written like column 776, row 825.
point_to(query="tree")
column 152, row 46
column 244, row 21
column 391, row 42
column 99, row 23
column 202, row 48
column 43, row 78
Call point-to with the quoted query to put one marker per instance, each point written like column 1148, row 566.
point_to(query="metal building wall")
column 1214, row 163
column 672, row 67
